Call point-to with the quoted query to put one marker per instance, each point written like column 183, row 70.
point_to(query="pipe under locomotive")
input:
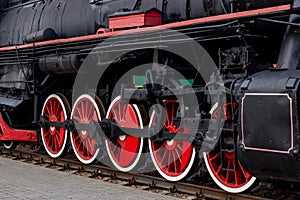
column 253, row 44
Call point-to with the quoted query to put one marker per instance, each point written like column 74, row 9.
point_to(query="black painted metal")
column 271, row 125
column 266, row 118
column 263, row 128
column 60, row 64
column 28, row 21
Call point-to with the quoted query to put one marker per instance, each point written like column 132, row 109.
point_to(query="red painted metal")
column 227, row 111
column 103, row 30
column 151, row 17
column 9, row 134
column 224, row 17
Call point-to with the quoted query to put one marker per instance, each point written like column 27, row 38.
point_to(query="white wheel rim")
column 221, row 185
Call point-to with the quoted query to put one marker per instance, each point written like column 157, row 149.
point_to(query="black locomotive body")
column 235, row 103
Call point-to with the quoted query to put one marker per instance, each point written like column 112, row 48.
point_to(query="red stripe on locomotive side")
column 165, row 26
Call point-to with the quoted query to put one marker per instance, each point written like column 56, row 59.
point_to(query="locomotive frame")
column 45, row 69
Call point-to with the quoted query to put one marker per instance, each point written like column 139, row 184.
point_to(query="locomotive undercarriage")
column 162, row 120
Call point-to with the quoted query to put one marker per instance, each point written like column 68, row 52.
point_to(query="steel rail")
column 198, row 191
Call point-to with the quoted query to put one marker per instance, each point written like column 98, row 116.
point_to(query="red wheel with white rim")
column 173, row 159
column 56, row 109
column 124, row 151
column 86, row 109
column 232, row 178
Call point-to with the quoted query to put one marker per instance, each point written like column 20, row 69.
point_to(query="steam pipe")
column 289, row 57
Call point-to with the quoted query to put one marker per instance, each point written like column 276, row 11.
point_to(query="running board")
column 9, row 134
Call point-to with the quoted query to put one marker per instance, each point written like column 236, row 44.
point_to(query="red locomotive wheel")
column 55, row 109
column 85, row 110
column 125, row 150
column 228, row 174
column 173, row 159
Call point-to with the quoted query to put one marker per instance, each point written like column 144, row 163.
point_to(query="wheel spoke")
column 175, row 162
column 47, row 134
column 247, row 176
column 53, row 143
column 57, row 109
column 164, row 158
column 57, row 137
column 79, row 114
column 178, row 156
column 170, row 162
column 76, row 138
column 160, row 148
column 115, row 115
column 236, row 177
column 47, row 111
column 51, row 107
column 62, row 115
column 219, row 169
column 80, row 145
column 217, row 156
column 227, row 172
column 115, row 149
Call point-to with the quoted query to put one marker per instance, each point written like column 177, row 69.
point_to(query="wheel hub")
column 170, row 142
column 84, row 134
column 122, row 137
column 52, row 118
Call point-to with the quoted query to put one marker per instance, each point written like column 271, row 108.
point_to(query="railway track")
column 145, row 182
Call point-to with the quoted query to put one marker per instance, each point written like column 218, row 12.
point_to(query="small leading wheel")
column 173, row 159
column 56, row 109
column 86, row 109
column 124, row 151
column 227, row 172
column 9, row 144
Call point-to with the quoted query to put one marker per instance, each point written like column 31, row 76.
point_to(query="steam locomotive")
column 233, row 106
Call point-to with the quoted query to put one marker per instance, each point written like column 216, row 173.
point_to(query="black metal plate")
column 267, row 122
